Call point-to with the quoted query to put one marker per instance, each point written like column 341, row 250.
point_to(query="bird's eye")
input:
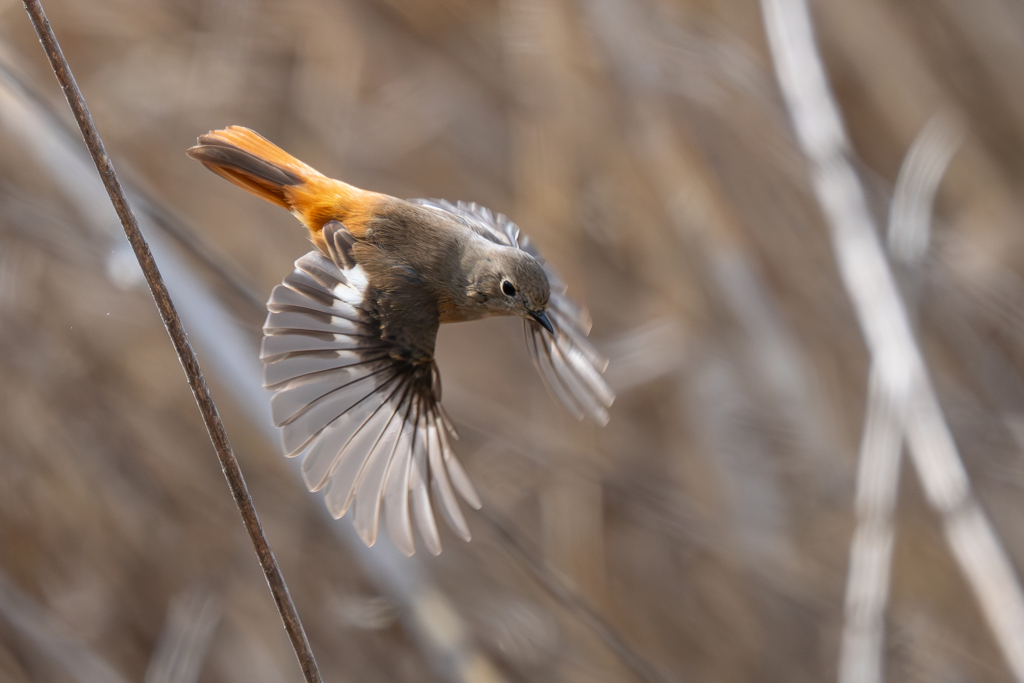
column 508, row 288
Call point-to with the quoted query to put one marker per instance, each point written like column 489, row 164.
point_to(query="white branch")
column 883, row 318
column 916, row 185
column 867, row 585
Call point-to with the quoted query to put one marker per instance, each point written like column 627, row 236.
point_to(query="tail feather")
column 252, row 162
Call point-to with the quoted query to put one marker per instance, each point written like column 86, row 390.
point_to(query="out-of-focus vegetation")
column 644, row 146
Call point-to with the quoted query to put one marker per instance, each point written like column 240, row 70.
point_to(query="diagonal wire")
column 886, row 326
column 429, row 617
column 187, row 357
column 867, row 586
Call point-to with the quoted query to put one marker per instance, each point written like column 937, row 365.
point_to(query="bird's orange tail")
column 252, row 162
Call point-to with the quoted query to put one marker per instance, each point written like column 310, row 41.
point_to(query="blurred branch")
column 209, row 255
column 704, row 221
column 886, row 325
column 218, row 436
column 27, row 109
column 192, row 619
column 916, row 185
column 867, row 584
column 570, row 600
column 867, row 587
column 31, row 621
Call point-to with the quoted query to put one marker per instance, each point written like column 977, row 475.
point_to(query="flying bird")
column 348, row 345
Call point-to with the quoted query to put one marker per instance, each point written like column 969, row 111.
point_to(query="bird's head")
column 508, row 281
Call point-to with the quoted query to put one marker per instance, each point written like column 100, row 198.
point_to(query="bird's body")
column 350, row 337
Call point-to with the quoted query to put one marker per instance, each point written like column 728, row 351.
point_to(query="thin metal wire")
column 187, row 357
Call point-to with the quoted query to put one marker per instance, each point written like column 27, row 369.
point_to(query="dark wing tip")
column 568, row 364
column 570, row 370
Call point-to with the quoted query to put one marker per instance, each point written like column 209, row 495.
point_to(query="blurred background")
column 644, row 145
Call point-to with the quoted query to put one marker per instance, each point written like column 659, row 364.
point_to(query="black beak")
column 542, row 318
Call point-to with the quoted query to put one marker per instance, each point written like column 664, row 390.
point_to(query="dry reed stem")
column 867, row 587
column 886, row 325
column 187, row 357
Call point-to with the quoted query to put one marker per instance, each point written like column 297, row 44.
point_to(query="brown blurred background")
column 645, row 148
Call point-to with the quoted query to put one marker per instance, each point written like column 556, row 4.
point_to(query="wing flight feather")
column 367, row 422
column 567, row 362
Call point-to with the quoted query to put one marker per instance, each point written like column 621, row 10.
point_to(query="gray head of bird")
column 508, row 281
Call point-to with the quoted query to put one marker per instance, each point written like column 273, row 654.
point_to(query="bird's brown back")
column 415, row 258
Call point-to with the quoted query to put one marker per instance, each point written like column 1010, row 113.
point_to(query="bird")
column 348, row 345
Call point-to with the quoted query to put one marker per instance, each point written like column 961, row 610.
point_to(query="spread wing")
column 367, row 423
column 569, row 365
